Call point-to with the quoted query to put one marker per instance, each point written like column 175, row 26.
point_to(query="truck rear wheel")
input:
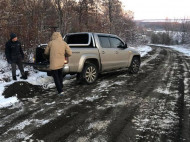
column 89, row 73
column 135, row 65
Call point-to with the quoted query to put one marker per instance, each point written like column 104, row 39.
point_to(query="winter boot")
column 61, row 94
column 24, row 76
column 14, row 78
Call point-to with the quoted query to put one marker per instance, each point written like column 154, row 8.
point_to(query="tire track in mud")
column 106, row 110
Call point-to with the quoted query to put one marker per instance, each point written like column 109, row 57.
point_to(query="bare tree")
column 31, row 19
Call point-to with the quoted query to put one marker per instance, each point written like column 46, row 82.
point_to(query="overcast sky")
column 158, row 9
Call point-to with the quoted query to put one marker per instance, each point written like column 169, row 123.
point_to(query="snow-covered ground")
column 143, row 50
column 35, row 78
column 185, row 49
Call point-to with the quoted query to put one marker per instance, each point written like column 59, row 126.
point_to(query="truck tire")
column 135, row 65
column 89, row 73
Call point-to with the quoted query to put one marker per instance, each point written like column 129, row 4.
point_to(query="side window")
column 115, row 42
column 104, row 42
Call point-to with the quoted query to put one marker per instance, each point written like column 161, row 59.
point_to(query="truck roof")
column 107, row 34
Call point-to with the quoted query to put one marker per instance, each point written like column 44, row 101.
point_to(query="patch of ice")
column 28, row 137
column 144, row 50
column 100, row 138
column 82, row 139
column 27, row 122
column 120, row 82
column 50, row 103
column 91, row 99
column 163, row 91
column 185, row 49
column 21, row 125
column 99, row 125
column 41, row 122
column 103, row 86
column 1, row 125
column 77, row 102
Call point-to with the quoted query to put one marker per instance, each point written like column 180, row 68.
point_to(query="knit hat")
column 12, row 35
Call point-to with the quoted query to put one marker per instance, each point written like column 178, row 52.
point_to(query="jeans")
column 20, row 66
column 58, row 79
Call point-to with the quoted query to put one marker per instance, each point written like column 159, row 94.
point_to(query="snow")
column 185, row 49
column 151, row 58
column 4, row 102
column 163, row 91
column 35, row 78
column 143, row 50
column 7, row 102
column 39, row 78
column 27, row 122
column 99, row 125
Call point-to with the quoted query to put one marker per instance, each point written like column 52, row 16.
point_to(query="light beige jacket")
column 57, row 49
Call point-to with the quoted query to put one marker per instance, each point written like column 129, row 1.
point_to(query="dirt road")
column 153, row 105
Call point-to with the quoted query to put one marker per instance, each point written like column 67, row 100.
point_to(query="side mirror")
column 123, row 47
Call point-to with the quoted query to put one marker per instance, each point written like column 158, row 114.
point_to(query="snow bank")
column 35, row 78
column 39, row 78
column 185, row 49
column 143, row 50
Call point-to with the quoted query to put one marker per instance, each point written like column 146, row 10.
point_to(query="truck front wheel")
column 135, row 65
column 89, row 73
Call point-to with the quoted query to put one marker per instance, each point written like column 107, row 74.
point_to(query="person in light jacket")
column 57, row 49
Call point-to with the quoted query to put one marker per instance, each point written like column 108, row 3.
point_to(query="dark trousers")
column 58, row 79
column 20, row 66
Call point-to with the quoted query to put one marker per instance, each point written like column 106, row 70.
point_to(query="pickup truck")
column 93, row 53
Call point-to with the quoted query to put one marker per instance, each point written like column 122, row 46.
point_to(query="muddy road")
column 153, row 105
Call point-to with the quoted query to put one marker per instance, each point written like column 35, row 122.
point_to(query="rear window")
column 77, row 39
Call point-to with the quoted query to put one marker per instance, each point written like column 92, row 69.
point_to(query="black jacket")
column 13, row 51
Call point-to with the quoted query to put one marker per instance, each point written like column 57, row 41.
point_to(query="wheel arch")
column 88, row 59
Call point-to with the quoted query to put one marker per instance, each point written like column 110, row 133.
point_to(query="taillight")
column 34, row 59
column 66, row 60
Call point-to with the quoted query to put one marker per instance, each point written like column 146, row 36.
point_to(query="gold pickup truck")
column 93, row 53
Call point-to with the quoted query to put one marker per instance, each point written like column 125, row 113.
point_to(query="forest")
column 32, row 20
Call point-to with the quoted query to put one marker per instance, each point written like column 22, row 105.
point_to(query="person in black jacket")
column 15, row 55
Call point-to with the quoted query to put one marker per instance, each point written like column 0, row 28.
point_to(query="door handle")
column 103, row 52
